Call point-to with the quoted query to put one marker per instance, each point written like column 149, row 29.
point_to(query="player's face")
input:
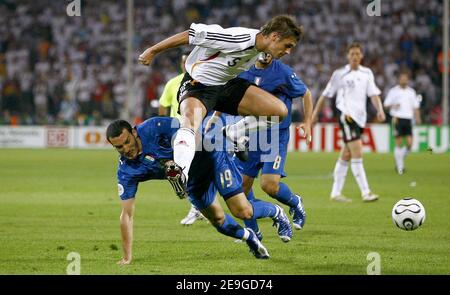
column 355, row 56
column 126, row 144
column 403, row 80
column 279, row 47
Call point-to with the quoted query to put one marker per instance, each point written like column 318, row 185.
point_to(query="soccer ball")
column 408, row 214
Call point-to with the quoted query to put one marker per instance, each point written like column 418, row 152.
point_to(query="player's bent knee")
column 280, row 110
column 192, row 110
column 270, row 187
column 243, row 213
column 217, row 220
column 283, row 112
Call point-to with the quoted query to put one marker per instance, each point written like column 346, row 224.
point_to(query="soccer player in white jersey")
column 352, row 84
column 211, row 82
column 403, row 104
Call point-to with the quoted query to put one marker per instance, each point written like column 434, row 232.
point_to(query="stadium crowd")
column 57, row 69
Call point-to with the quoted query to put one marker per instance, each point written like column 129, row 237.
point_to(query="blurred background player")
column 211, row 83
column 352, row 84
column 279, row 79
column 403, row 104
column 168, row 105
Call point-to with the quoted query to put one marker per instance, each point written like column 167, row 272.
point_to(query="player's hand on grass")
column 306, row 127
column 124, row 261
column 146, row 57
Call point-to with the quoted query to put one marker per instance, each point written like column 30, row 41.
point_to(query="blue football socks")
column 286, row 196
column 231, row 228
column 252, row 223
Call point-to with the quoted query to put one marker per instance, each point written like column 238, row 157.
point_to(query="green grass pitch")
column 53, row 202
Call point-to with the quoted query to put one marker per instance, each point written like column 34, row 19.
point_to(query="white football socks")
column 399, row 158
column 184, row 149
column 360, row 175
column 246, row 234
column 405, row 152
column 340, row 173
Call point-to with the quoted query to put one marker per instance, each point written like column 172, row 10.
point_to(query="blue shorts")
column 271, row 165
column 215, row 172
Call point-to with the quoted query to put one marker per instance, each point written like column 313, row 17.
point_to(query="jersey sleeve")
column 389, row 99
column 225, row 40
column 295, row 86
column 372, row 88
column 127, row 186
column 332, row 86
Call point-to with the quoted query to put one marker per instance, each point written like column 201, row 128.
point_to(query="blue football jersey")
column 156, row 137
column 280, row 80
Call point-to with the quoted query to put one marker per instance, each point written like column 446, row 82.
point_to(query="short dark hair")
column 404, row 72
column 354, row 45
column 285, row 25
column 116, row 128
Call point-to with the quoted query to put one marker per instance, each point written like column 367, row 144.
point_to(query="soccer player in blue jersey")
column 146, row 153
column 279, row 79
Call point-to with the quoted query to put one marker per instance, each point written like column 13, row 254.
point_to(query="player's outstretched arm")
column 307, row 110
column 176, row 40
column 126, row 229
column 376, row 101
column 417, row 116
column 317, row 109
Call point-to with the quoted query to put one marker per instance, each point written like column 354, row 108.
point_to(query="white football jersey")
column 352, row 88
column 403, row 102
column 220, row 54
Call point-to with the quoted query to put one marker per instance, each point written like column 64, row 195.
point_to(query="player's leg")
column 247, row 187
column 228, row 180
column 244, row 168
column 358, row 170
column 210, row 207
column 225, row 224
column 242, row 208
column 272, row 171
column 339, row 175
column 247, row 183
column 401, row 152
column 256, row 102
column 271, row 185
column 398, row 154
column 409, row 142
column 409, row 139
column 192, row 113
column 346, row 125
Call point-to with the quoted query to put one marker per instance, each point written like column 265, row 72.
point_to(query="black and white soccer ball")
column 408, row 214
